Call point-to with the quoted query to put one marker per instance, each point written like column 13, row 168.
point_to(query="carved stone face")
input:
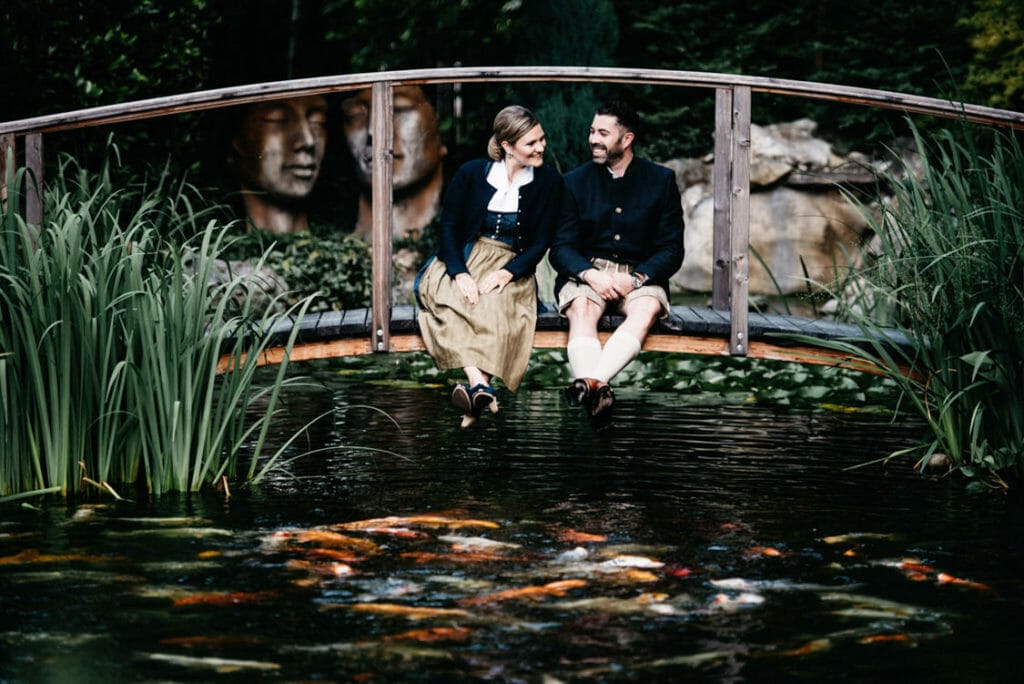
column 279, row 146
column 417, row 147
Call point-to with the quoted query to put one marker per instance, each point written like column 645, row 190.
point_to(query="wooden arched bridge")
column 727, row 327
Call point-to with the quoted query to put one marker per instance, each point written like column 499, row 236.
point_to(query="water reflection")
column 699, row 542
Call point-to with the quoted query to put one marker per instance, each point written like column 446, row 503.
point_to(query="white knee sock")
column 584, row 353
column 619, row 350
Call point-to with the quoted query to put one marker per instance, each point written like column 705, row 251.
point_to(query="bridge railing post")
column 33, row 200
column 721, row 184
column 6, row 149
column 739, row 338
column 383, row 130
column 34, row 185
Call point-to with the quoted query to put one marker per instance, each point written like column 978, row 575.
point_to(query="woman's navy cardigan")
column 465, row 205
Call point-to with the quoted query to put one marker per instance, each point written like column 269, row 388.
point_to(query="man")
column 619, row 240
column 418, row 151
column 276, row 155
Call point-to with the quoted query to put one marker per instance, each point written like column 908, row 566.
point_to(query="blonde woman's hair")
column 511, row 124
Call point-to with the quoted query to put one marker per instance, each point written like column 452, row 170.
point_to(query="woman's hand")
column 468, row 287
column 495, row 280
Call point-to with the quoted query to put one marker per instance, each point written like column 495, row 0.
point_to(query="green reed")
column 110, row 338
column 949, row 273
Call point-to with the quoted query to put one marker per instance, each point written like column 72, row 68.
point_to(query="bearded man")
column 619, row 240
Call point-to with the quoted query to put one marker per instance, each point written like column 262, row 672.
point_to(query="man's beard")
column 610, row 157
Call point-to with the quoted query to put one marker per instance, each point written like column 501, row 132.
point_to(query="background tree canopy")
column 61, row 55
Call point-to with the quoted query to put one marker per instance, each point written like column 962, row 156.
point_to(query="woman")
column 478, row 296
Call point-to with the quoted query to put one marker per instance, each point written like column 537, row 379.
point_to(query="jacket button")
column 618, row 210
column 618, row 237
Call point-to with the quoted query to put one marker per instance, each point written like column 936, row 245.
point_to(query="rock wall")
column 798, row 217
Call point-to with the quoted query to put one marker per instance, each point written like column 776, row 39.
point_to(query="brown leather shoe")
column 582, row 391
column 601, row 402
column 601, row 399
column 576, row 392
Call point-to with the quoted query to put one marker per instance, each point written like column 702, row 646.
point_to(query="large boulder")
column 801, row 224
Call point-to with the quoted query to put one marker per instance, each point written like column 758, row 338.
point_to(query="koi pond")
column 696, row 540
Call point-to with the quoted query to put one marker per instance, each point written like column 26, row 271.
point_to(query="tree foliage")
column 996, row 75
column 61, row 55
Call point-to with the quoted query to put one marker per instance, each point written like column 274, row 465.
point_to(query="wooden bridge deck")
column 688, row 329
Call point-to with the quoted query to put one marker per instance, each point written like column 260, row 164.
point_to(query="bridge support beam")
column 383, row 130
column 739, row 338
column 32, row 202
column 34, row 183
column 721, row 183
column 6, row 151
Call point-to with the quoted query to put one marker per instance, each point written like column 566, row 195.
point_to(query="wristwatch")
column 637, row 280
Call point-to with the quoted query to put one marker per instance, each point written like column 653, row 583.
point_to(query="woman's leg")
column 475, row 376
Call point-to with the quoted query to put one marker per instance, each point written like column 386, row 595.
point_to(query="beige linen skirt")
column 495, row 334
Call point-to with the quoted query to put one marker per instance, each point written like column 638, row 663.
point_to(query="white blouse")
column 506, row 199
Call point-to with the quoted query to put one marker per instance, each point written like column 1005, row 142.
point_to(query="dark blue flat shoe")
column 461, row 398
column 483, row 397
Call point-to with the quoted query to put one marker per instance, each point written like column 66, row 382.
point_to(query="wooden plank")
column 322, row 85
column 721, row 180
column 739, row 338
column 34, row 183
column 382, row 126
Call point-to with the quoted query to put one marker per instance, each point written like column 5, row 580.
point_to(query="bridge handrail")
column 235, row 95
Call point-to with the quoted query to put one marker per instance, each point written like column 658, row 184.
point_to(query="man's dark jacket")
column 636, row 219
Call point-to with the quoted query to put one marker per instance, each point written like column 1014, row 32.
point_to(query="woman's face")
column 280, row 146
column 529, row 149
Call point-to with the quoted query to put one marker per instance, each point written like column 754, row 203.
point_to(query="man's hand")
column 495, row 280
column 468, row 287
column 603, row 283
column 623, row 283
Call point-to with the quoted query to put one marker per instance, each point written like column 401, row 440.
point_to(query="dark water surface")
column 691, row 543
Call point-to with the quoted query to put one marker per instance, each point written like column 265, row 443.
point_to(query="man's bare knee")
column 583, row 312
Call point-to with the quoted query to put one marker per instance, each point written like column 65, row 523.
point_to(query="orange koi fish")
column 427, row 557
column 411, row 612
column 206, row 641
column 33, row 556
column 532, row 592
column 332, row 540
column 944, row 578
column 399, row 532
column 222, row 599
column 341, row 556
column 885, row 638
column 329, row 569
column 764, row 551
column 915, row 566
column 815, row 646
column 423, row 520
column 432, row 635
column 576, row 537
column 678, row 572
column 634, row 575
